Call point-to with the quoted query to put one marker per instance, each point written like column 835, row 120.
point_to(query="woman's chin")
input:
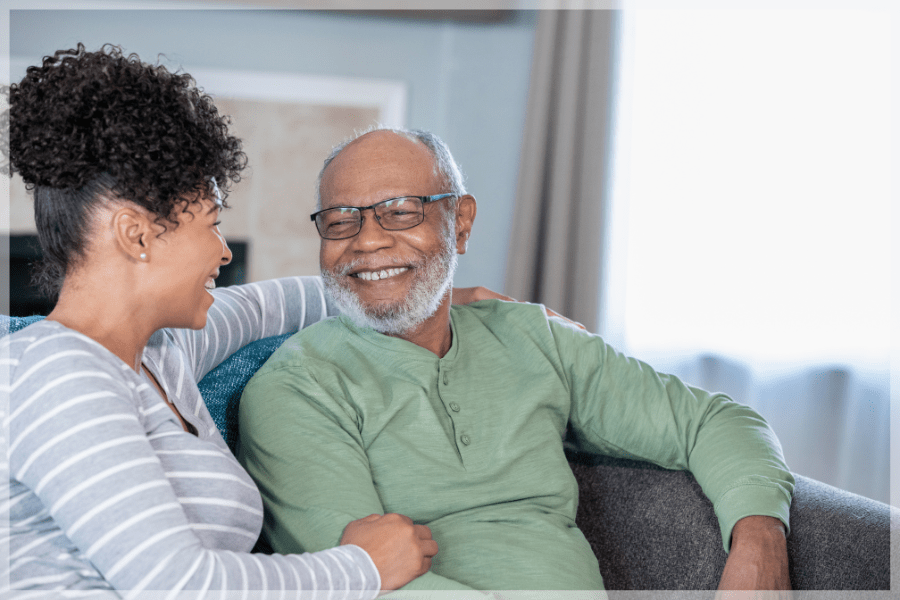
column 200, row 322
column 197, row 319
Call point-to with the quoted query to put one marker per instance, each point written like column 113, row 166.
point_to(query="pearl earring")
column 143, row 256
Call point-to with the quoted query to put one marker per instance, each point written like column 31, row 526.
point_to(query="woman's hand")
column 474, row 294
column 400, row 549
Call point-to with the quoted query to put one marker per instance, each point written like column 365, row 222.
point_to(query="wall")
column 466, row 82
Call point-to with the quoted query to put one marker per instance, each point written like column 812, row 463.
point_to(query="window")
column 751, row 203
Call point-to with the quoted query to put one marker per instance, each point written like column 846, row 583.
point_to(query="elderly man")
column 456, row 416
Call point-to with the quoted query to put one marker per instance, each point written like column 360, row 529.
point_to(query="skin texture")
column 382, row 165
column 402, row 557
column 119, row 299
column 758, row 561
column 375, row 167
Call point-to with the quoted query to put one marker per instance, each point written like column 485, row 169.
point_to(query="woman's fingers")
column 400, row 549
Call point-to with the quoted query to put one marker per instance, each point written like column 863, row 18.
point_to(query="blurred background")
column 707, row 189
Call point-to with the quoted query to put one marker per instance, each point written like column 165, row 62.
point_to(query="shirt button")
column 446, row 378
column 454, row 406
column 465, row 440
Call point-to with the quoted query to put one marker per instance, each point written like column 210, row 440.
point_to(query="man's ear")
column 466, row 208
column 132, row 229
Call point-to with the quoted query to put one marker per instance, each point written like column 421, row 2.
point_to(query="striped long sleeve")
column 107, row 491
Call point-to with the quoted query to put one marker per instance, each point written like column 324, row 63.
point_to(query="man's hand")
column 400, row 549
column 758, row 561
column 474, row 294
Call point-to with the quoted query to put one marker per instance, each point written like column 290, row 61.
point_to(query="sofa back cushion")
column 14, row 324
column 222, row 387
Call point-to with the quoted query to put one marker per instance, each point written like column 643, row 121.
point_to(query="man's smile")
column 381, row 274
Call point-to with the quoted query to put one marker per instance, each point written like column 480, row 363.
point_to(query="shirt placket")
column 465, row 437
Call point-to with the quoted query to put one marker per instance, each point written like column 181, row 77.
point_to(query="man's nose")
column 372, row 235
column 226, row 254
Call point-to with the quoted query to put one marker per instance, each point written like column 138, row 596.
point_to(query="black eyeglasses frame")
column 424, row 199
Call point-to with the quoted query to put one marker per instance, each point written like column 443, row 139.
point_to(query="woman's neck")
column 106, row 316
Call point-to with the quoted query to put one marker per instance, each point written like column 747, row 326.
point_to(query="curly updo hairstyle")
column 85, row 126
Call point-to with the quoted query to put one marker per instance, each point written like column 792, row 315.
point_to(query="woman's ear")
column 132, row 229
column 466, row 208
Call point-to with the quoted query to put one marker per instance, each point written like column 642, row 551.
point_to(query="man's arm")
column 305, row 451
column 622, row 407
column 758, row 559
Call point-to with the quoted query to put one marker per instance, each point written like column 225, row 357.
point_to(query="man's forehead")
column 384, row 147
column 376, row 166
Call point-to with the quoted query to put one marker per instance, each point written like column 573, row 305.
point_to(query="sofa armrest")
column 839, row 540
column 655, row 529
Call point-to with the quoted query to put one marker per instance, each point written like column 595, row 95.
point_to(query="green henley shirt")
column 344, row 422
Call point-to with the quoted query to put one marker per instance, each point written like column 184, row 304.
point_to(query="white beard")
column 433, row 280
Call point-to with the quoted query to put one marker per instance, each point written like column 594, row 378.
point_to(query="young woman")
column 119, row 480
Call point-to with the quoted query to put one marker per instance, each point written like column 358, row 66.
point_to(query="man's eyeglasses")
column 393, row 214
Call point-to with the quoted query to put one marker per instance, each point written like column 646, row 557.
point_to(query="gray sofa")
column 653, row 529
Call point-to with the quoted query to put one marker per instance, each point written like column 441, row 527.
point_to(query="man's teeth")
column 211, row 284
column 383, row 274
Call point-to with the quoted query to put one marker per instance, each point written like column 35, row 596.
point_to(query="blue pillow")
column 13, row 324
column 221, row 388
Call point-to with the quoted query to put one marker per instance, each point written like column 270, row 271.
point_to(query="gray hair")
column 444, row 164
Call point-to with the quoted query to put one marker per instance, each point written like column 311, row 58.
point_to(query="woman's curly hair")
column 84, row 125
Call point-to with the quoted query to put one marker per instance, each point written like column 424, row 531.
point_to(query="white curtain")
column 832, row 421
column 752, row 246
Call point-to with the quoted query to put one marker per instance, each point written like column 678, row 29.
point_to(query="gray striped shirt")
column 107, row 490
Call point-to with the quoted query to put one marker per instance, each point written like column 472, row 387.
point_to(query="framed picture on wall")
column 288, row 124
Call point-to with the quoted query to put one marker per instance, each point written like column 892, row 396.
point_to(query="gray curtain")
column 558, row 231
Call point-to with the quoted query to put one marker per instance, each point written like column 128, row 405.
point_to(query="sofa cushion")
column 14, row 324
column 222, row 387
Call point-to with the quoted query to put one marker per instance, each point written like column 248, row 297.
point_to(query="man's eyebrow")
column 393, row 196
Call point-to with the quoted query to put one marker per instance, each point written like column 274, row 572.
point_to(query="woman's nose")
column 226, row 255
